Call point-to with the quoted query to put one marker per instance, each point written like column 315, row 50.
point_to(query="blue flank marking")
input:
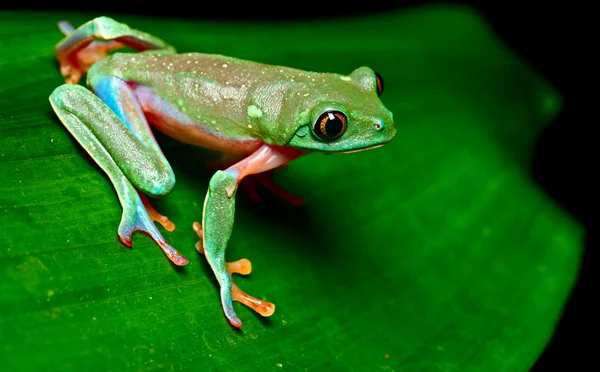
column 109, row 92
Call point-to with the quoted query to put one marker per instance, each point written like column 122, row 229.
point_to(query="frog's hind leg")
column 242, row 267
column 121, row 143
column 86, row 56
column 91, row 41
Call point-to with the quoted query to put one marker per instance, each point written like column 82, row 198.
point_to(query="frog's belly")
column 176, row 124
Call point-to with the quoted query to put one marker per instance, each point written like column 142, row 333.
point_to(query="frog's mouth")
column 357, row 150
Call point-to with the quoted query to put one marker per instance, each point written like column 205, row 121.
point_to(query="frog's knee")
column 224, row 180
column 108, row 28
column 104, row 20
column 159, row 185
column 67, row 95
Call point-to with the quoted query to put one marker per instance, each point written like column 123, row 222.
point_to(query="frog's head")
column 345, row 115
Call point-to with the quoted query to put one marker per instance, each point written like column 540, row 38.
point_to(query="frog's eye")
column 331, row 125
column 379, row 81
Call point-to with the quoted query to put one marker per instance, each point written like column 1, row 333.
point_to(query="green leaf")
column 437, row 252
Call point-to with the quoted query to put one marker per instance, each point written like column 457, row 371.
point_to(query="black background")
column 555, row 38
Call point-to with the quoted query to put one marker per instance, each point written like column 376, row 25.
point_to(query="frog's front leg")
column 91, row 41
column 251, row 182
column 218, row 217
column 113, row 130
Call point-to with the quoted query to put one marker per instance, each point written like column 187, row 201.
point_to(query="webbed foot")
column 242, row 267
column 91, row 42
column 142, row 219
column 155, row 215
column 73, row 67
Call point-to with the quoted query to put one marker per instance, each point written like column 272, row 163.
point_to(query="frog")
column 260, row 117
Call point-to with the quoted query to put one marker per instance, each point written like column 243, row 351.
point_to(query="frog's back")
column 234, row 98
column 153, row 69
column 146, row 68
column 210, row 93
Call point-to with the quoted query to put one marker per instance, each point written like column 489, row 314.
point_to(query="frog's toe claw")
column 262, row 307
column 242, row 267
column 173, row 254
column 198, row 229
column 70, row 72
column 235, row 321
column 126, row 239
column 125, row 231
column 65, row 27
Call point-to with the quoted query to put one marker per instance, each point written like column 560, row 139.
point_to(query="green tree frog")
column 259, row 116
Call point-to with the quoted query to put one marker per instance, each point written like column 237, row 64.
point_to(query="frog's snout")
column 385, row 129
column 384, row 124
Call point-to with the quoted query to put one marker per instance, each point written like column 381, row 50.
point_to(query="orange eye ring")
column 379, row 81
column 331, row 125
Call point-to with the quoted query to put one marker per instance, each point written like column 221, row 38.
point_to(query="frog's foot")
column 141, row 219
column 155, row 215
column 242, row 267
column 74, row 66
column 85, row 58
column 85, row 45
column 266, row 180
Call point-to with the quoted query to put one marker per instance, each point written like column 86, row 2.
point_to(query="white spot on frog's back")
column 181, row 105
column 345, row 78
column 254, row 112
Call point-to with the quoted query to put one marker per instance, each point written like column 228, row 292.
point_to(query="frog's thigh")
column 122, row 156
column 156, row 176
column 91, row 123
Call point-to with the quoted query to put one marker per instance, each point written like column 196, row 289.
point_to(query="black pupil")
column 333, row 126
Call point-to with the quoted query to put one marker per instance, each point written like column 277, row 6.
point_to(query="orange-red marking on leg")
column 242, row 267
column 155, row 215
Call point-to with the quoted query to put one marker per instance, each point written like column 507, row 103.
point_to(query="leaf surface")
column 436, row 252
